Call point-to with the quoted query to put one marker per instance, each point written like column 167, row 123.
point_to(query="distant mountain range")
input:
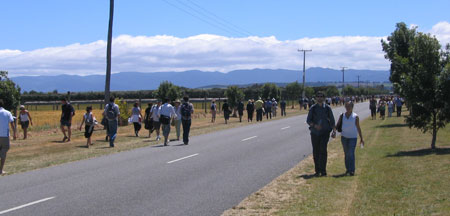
column 191, row 79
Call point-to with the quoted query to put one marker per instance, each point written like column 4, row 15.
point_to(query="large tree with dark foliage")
column 419, row 72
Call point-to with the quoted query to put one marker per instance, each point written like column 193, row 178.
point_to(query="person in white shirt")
column 348, row 123
column 6, row 119
column 155, row 119
column 25, row 120
column 166, row 114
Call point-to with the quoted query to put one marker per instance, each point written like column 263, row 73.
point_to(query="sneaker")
column 323, row 174
column 106, row 139
column 352, row 173
column 3, row 173
column 64, row 139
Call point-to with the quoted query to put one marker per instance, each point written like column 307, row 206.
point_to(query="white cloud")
column 202, row 52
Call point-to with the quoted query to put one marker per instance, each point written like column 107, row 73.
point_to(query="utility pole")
column 108, row 52
column 343, row 80
column 358, row 80
column 304, row 58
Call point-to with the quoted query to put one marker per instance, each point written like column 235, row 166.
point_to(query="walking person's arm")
column 332, row 121
column 359, row 130
column 29, row 117
column 14, row 130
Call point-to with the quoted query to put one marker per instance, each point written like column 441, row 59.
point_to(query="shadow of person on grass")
column 340, row 175
column 307, row 176
column 392, row 126
column 422, row 152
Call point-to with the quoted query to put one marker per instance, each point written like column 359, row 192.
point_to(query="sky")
column 50, row 37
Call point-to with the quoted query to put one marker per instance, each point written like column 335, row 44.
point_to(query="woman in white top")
column 390, row 105
column 136, row 118
column 25, row 120
column 349, row 136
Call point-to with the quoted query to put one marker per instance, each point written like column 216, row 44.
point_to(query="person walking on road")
column 226, row 111
column 112, row 113
column 349, row 125
column 6, row 119
column 268, row 108
column 89, row 121
column 136, row 118
column 259, row 109
column 250, row 110
column 66, row 119
column 283, row 107
column 187, row 109
column 166, row 114
column 321, row 122
column 148, row 122
column 240, row 108
column 178, row 118
column 25, row 120
column 155, row 120
column 274, row 107
column 213, row 111
column 373, row 108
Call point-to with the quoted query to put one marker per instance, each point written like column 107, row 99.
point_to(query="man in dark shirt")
column 66, row 118
column 321, row 122
column 250, row 110
column 240, row 108
column 283, row 107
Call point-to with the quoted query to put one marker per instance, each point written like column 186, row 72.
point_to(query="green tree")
column 332, row 91
column 418, row 73
column 350, row 90
column 293, row 91
column 9, row 92
column 234, row 94
column 167, row 90
column 270, row 90
column 309, row 92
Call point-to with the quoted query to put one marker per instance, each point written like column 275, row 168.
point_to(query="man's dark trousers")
column 259, row 114
column 399, row 111
column 319, row 144
column 186, row 129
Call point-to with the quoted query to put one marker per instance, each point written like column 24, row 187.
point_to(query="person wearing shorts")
column 6, row 119
column 25, row 120
column 89, row 120
column 66, row 119
column 156, row 124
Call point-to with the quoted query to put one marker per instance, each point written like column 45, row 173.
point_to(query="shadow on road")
column 422, row 152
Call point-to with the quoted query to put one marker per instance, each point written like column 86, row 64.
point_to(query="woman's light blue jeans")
column 349, row 145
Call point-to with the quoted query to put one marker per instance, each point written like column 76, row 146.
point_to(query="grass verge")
column 396, row 174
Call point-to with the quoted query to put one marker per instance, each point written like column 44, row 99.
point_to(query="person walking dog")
column 321, row 122
column 348, row 125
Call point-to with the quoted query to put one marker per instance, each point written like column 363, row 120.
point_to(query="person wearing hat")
column 274, row 107
column 25, row 120
column 259, row 107
column 177, row 120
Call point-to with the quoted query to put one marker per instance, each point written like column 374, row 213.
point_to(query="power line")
column 204, row 17
column 193, row 15
column 221, row 19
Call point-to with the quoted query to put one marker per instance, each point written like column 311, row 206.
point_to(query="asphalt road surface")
column 212, row 174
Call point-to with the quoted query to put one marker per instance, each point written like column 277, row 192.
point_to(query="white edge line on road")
column 249, row 138
column 26, row 205
column 182, row 158
column 285, row 128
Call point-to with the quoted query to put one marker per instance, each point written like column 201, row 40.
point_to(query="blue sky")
column 28, row 25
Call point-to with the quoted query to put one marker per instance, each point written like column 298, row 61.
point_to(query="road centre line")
column 249, row 138
column 26, row 205
column 285, row 128
column 182, row 158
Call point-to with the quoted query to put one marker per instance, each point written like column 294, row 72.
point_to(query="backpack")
column 186, row 110
column 89, row 119
column 111, row 113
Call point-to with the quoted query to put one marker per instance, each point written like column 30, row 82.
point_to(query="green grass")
column 396, row 174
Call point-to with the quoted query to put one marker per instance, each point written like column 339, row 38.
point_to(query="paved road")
column 214, row 173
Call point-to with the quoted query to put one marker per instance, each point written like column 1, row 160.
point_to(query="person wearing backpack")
column 187, row 109
column 348, row 125
column 89, row 121
column 66, row 118
column 321, row 122
column 240, row 108
column 166, row 114
column 250, row 110
column 226, row 111
column 112, row 113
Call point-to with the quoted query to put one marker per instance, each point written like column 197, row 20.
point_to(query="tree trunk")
column 433, row 142
column 108, row 52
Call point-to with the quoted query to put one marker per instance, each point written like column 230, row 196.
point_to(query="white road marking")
column 26, row 205
column 285, row 128
column 249, row 138
column 182, row 158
